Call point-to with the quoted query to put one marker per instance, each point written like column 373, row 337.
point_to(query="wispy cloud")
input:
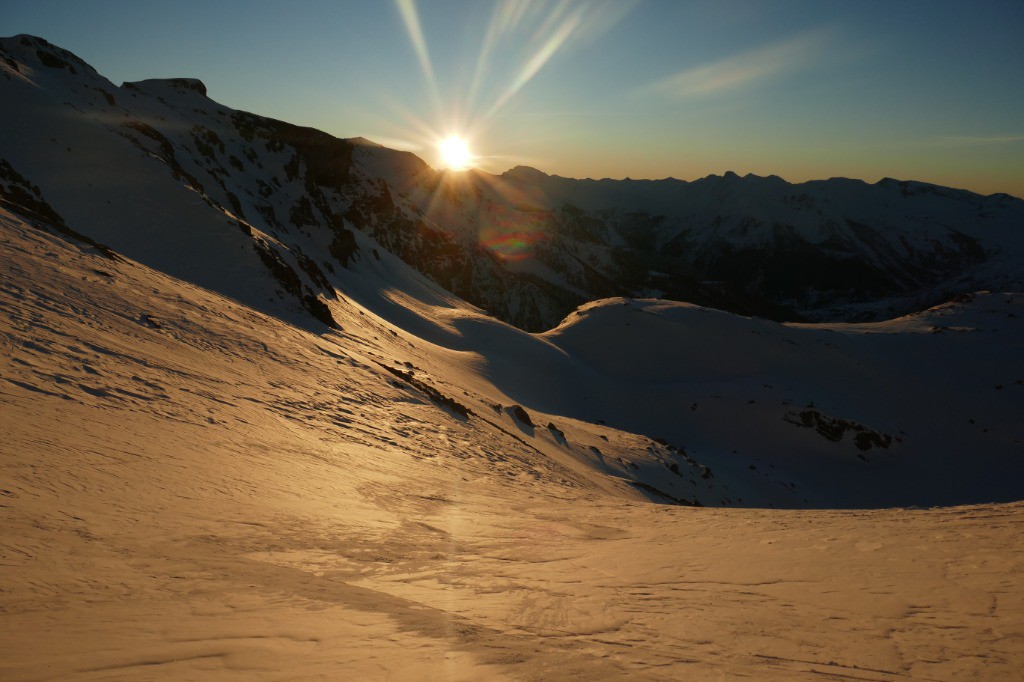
column 971, row 140
column 744, row 69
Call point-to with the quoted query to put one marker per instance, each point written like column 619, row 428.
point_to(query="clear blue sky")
column 930, row 90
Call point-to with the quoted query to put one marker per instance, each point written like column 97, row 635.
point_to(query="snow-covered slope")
column 686, row 404
column 195, row 489
column 142, row 168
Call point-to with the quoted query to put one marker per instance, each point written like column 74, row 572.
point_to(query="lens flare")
column 510, row 240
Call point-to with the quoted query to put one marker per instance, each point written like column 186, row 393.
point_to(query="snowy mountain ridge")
column 525, row 246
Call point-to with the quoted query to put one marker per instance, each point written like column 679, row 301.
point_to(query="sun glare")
column 455, row 154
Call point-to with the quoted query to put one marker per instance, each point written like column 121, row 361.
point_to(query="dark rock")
column 519, row 413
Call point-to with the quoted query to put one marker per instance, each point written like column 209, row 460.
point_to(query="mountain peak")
column 178, row 85
column 28, row 48
column 524, row 173
column 363, row 142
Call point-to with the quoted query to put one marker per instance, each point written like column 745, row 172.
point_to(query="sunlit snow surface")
column 193, row 490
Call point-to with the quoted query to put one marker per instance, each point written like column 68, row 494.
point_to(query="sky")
column 916, row 90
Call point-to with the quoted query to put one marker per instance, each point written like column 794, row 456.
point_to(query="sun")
column 455, row 154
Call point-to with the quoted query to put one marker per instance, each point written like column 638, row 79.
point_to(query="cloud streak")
column 971, row 140
column 744, row 69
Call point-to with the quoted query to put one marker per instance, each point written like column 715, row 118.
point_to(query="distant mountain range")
column 525, row 246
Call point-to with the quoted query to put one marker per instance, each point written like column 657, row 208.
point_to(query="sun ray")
column 411, row 19
column 504, row 20
column 536, row 31
column 550, row 46
column 560, row 27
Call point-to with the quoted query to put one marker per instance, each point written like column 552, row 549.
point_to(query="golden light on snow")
column 455, row 154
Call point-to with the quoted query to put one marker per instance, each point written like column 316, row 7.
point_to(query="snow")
column 200, row 483
column 194, row 489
